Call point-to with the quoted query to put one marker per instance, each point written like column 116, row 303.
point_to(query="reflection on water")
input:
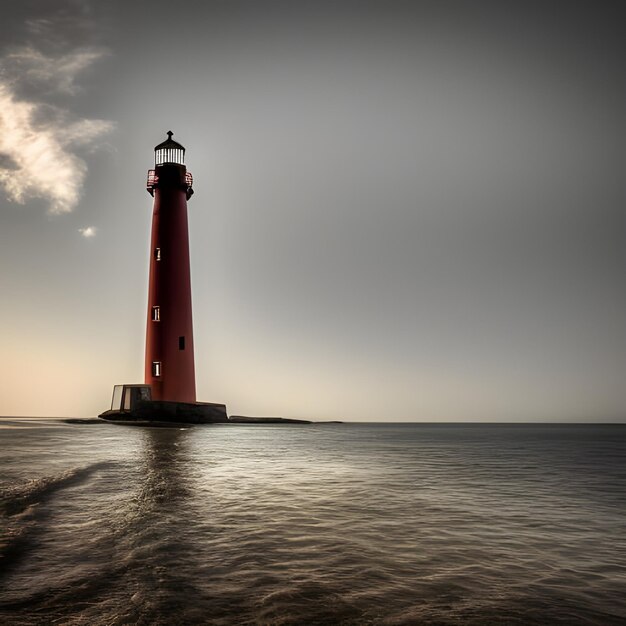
column 336, row 524
column 165, row 468
column 157, row 546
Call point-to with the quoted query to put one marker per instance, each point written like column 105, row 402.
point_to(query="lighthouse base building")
column 134, row 403
column 168, row 393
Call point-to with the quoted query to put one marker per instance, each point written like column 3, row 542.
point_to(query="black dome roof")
column 169, row 143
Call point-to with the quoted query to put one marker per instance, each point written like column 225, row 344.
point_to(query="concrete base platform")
column 170, row 412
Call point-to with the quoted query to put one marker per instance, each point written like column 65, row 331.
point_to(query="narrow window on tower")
column 156, row 368
column 157, row 254
column 156, row 313
column 181, row 343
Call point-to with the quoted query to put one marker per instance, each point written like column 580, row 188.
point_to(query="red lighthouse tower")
column 169, row 392
column 169, row 367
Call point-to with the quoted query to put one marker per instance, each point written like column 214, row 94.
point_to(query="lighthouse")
column 169, row 364
column 168, row 394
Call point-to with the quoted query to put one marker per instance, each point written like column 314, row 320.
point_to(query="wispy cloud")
column 58, row 72
column 40, row 143
column 38, row 159
column 89, row 232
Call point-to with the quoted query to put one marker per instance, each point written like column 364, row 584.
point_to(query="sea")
column 354, row 523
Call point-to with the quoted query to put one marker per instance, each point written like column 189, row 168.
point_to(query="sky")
column 403, row 211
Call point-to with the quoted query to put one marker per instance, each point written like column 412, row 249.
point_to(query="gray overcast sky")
column 403, row 210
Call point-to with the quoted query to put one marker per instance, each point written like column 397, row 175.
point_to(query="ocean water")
column 320, row 524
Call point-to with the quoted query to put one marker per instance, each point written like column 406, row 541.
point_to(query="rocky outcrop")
column 243, row 419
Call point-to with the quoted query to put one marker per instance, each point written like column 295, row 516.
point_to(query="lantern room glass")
column 169, row 155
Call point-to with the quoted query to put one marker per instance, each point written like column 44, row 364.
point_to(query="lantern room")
column 169, row 151
column 169, row 167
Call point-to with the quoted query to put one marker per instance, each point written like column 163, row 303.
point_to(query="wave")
column 16, row 498
column 21, row 514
